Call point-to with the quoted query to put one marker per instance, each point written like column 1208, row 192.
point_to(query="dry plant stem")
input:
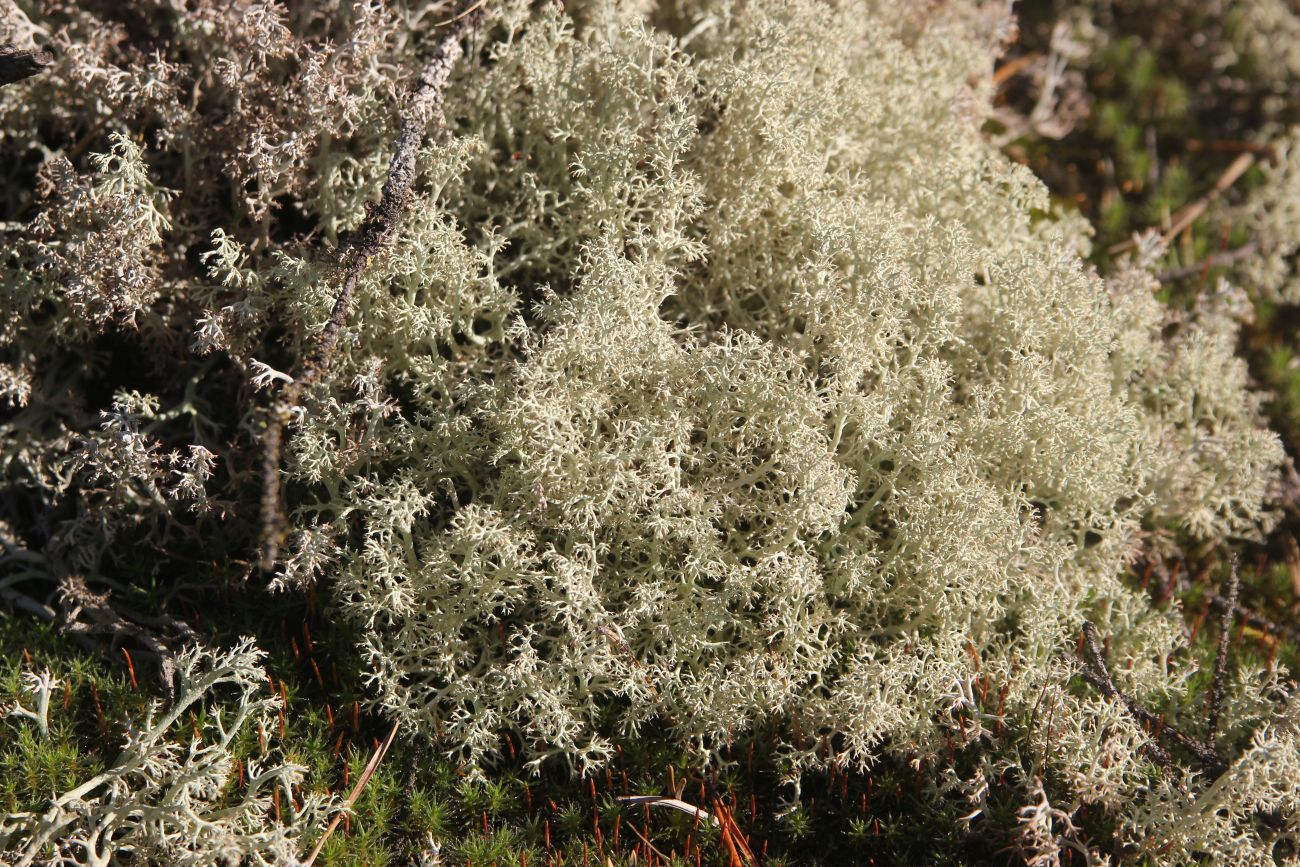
column 633, row 828
column 1221, row 657
column 1218, row 260
column 17, row 64
column 1008, row 70
column 1096, row 673
column 369, row 772
column 1257, row 620
column 91, row 620
column 424, row 106
column 1191, row 213
column 1250, row 616
column 674, row 803
column 23, row 602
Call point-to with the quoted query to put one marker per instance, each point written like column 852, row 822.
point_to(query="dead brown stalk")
column 423, row 107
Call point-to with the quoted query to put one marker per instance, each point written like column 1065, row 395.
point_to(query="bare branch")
column 1192, row 212
column 1218, row 260
column 1096, row 673
column 90, row 617
column 424, row 106
column 1221, row 658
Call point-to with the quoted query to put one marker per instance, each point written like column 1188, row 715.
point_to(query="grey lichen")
column 171, row 796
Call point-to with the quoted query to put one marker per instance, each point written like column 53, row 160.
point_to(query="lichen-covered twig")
column 1095, row 672
column 1229, row 609
column 17, row 64
column 424, row 106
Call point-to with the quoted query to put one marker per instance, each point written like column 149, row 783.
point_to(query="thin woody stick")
column 1191, row 213
column 1221, row 658
column 17, row 64
column 1095, row 672
column 424, row 106
column 1218, row 260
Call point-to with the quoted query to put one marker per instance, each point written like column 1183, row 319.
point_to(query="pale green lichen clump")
column 720, row 372
column 733, row 374
column 163, row 801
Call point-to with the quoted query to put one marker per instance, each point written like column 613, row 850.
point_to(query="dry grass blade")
column 369, row 772
column 674, row 803
column 1193, row 212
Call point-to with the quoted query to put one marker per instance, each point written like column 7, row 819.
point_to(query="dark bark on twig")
column 23, row 602
column 1221, row 658
column 1218, row 260
column 89, row 619
column 1095, row 672
column 17, row 64
column 1256, row 619
column 1247, row 614
column 424, row 106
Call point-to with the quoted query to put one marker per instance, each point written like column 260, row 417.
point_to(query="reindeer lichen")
column 172, row 799
column 709, row 369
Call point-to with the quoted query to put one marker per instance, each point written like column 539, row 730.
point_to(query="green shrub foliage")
column 720, row 372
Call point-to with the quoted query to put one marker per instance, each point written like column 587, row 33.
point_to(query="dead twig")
column 1248, row 615
column 673, row 803
column 1218, row 260
column 423, row 106
column 87, row 616
column 17, row 64
column 1011, row 68
column 1221, row 657
column 1256, row 619
column 1095, row 672
column 1191, row 213
column 90, row 617
column 474, row 7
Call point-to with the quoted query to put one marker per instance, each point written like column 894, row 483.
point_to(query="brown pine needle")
column 369, row 772
column 1191, row 213
column 452, row 20
column 674, row 803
